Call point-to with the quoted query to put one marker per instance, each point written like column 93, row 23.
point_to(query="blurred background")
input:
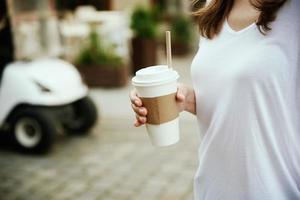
column 65, row 116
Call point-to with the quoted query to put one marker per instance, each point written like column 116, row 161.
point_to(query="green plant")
column 144, row 23
column 181, row 28
column 94, row 52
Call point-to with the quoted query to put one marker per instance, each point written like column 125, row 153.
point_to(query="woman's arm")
column 186, row 99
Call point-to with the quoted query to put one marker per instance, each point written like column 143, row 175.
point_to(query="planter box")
column 104, row 76
column 144, row 53
column 180, row 49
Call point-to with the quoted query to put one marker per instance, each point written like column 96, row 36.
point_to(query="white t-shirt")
column 247, row 88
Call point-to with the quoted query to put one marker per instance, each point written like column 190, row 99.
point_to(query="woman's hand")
column 137, row 106
column 185, row 102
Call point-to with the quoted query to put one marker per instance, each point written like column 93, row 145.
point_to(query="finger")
column 141, row 119
column 135, row 108
column 138, row 102
column 141, row 111
column 133, row 95
column 137, row 123
column 180, row 97
column 135, row 99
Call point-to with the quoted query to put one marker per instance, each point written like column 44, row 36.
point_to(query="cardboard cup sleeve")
column 161, row 109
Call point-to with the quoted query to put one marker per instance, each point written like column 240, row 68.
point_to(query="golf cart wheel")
column 83, row 118
column 33, row 130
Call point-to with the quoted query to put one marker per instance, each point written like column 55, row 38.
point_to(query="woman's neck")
column 243, row 4
column 242, row 1
column 242, row 14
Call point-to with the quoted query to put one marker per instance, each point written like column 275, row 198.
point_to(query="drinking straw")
column 168, row 47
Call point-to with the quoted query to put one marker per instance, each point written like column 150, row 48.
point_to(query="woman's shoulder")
column 288, row 19
column 290, row 11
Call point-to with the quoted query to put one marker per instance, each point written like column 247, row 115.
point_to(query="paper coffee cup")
column 157, row 87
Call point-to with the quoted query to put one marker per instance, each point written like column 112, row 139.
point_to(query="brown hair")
column 211, row 17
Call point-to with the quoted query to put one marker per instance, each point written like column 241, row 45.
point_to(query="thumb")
column 180, row 96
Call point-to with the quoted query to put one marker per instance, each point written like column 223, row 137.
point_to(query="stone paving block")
column 101, row 184
column 132, row 185
column 100, row 189
column 157, row 183
column 49, row 191
column 149, row 192
column 88, row 195
column 145, row 196
column 119, row 193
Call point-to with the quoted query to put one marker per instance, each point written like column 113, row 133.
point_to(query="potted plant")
column 144, row 26
column 181, row 28
column 100, row 65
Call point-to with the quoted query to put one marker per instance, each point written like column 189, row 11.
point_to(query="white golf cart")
column 39, row 93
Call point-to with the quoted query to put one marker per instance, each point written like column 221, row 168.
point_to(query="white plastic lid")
column 154, row 75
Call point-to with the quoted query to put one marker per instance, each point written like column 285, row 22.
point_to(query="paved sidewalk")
column 115, row 162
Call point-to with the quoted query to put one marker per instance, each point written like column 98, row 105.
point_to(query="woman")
column 246, row 97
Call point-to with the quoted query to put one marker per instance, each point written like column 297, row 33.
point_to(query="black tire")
column 84, row 117
column 32, row 130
